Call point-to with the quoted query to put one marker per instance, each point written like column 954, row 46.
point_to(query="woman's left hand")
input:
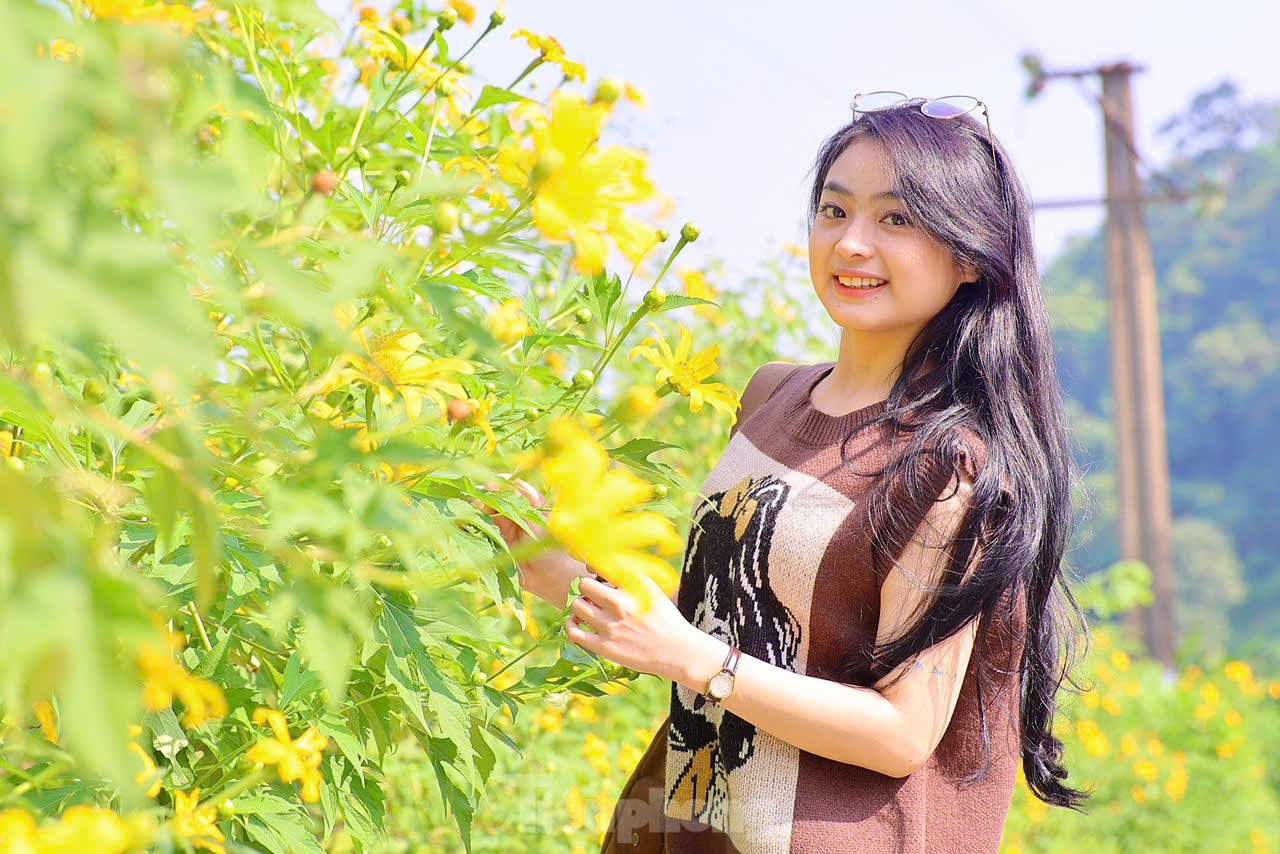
column 656, row 641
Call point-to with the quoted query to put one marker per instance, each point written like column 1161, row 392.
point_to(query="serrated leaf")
column 492, row 96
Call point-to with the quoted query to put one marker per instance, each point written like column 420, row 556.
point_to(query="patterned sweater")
column 778, row 561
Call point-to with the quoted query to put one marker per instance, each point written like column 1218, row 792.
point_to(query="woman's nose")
column 853, row 241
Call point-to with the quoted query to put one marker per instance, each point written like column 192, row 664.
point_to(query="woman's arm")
column 892, row 731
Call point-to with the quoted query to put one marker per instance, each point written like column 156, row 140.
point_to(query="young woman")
column 868, row 638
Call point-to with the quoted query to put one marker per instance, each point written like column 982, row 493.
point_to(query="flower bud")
column 583, row 379
column 400, row 23
column 655, row 298
column 445, row 217
column 532, row 412
column 402, row 178
column 608, row 90
column 583, row 315
column 447, row 19
column 690, row 232
column 497, row 18
column 491, row 387
column 663, row 234
column 94, row 391
column 362, row 155
column 660, row 490
column 324, row 182
column 459, row 410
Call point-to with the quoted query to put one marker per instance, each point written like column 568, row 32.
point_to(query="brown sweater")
column 778, row 561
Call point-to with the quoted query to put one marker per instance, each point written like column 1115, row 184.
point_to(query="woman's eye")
column 905, row 221
column 827, row 206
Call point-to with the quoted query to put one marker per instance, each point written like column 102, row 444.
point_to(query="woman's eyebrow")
column 837, row 187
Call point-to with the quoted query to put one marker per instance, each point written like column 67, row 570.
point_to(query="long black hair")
column 995, row 381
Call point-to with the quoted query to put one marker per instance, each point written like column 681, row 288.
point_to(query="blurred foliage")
column 1218, row 277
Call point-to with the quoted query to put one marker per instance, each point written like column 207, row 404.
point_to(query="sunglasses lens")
column 873, row 101
column 947, row 108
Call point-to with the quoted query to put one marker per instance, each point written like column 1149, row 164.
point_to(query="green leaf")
column 211, row 662
column 679, row 301
column 298, row 683
column 492, row 95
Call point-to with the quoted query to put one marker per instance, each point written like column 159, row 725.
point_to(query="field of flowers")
column 284, row 300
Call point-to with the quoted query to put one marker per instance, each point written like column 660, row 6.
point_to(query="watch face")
column 720, row 685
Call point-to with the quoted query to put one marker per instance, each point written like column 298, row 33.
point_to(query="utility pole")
column 1142, row 457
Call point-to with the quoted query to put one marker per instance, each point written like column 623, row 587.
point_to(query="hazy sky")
column 741, row 94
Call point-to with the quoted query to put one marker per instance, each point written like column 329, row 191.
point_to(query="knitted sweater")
column 778, row 561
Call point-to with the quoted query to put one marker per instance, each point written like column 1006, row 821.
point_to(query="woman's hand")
column 607, row 621
column 549, row 574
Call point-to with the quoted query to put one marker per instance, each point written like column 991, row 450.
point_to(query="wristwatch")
column 720, row 686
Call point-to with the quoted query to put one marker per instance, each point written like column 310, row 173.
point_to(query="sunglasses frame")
column 923, row 103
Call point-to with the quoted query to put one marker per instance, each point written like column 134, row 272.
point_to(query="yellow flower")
column 63, row 50
column 596, row 749
column 604, row 809
column 48, row 723
column 1120, row 661
column 480, row 409
column 180, row 18
column 576, row 806
column 794, row 250
column 639, row 402
column 1226, row 750
column 1155, row 747
column 629, row 757
column 635, row 95
column 1203, row 712
column 552, row 51
column 508, row 322
column 583, row 190
column 80, row 828
column 166, row 679
column 149, row 770
column 6, row 444
column 555, row 361
column 550, row 720
column 1146, row 770
column 697, row 286
column 1111, row 706
column 593, row 514
column 685, row 371
column 294, row 760
column 1233, row 718
column 1128, row 745
column 18, row 832
column 1273, row 688
column 1139, row 794
column 466, row 11
column 1210, row 693
column 195, row 823
column 1037, row 810
column 584, row 710
column 1238, row 671
column 390, row 364
column 1176, row 786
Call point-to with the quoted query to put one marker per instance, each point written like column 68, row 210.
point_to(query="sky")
column 742, row 94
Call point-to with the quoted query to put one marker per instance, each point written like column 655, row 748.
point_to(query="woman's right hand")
column 547, row 575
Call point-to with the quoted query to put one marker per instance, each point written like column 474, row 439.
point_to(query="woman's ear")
column 969, row 274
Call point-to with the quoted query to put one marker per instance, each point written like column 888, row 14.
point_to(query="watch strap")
column 730, row 666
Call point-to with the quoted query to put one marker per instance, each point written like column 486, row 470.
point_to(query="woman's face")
column 861, row 228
